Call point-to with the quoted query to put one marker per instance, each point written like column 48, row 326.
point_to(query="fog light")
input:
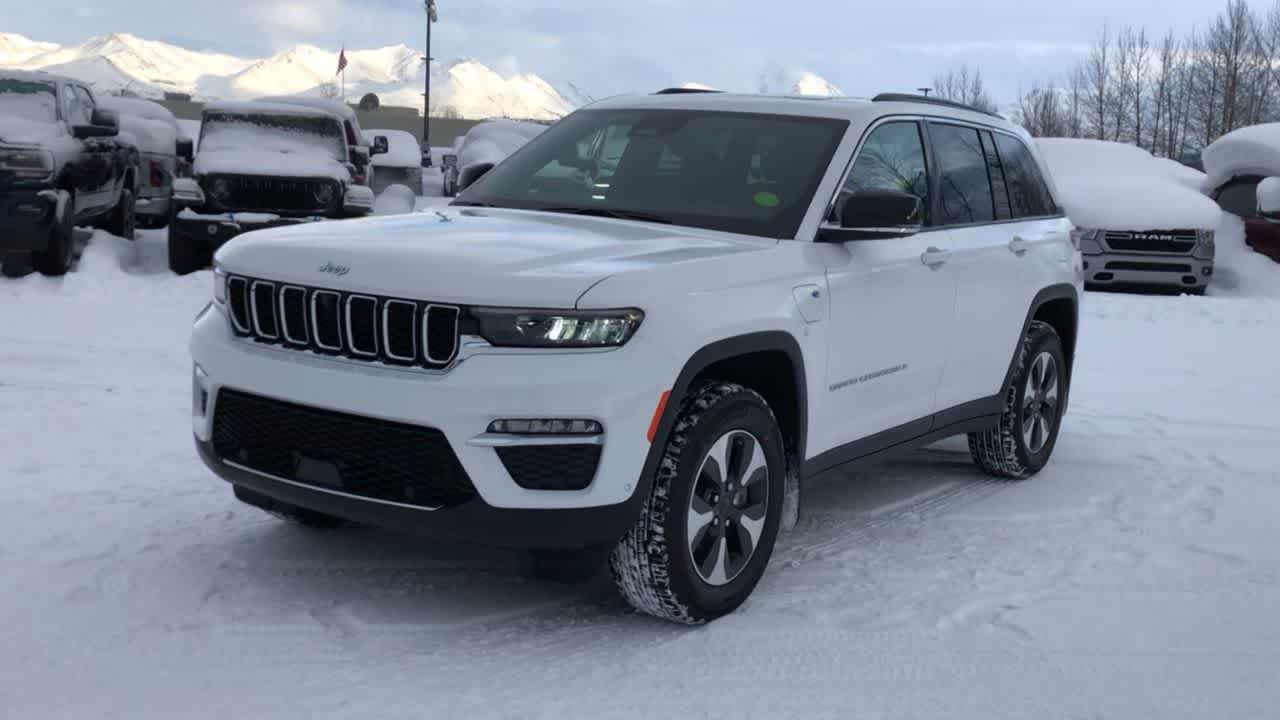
column 1206, row 271
column 545, row 427
column 199, row 391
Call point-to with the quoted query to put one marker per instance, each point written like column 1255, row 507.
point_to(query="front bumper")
column 215, row 230
column 1112, row 269
column 460, row 403
column 26, row 218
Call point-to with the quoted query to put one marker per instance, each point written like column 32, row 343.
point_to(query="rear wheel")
column 1024, row 440
column 707, row 530
column 59, row 254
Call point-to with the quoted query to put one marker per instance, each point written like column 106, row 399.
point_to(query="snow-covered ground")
column 1137, row 577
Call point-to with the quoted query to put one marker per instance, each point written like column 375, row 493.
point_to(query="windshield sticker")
column 767, row 200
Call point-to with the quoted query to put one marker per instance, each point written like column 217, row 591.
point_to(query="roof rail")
column 684, row 90
column 907, row 97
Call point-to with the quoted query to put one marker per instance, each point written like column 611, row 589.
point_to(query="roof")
column 38, row 75
column 267, row 108
column 799, row 105
column 137, row 106
column 336, row 107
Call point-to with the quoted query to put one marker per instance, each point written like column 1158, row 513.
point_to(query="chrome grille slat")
column 394, row 331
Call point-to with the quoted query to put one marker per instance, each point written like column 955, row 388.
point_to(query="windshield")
column 29, row 99
column 737, row 172
column 278, row 133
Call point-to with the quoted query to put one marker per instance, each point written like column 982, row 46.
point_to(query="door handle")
column 934, row 257
column 1019, row 245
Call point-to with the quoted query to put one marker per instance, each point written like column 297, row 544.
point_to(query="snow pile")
column 1239, row 270
column 493, row 140
column 403, row 149
column 1253, row 150
column 794, row 81
column 395, row 200
column 1114, row 186
column 1187, row 176
column 1269, row 195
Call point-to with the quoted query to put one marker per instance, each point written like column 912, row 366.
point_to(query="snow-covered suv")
column 645, row 362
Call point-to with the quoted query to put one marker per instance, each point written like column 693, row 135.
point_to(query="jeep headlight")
column 27, row 164
column 506, row 327
column 220, row 189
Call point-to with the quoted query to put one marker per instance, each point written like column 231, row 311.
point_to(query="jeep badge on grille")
column 332, row 269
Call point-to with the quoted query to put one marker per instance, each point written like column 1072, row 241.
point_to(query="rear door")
column 998, row 233
column 890, row 311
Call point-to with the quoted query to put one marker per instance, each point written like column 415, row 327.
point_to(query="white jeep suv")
column 637, row 336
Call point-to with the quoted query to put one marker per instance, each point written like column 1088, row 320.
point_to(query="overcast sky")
column 606, row 47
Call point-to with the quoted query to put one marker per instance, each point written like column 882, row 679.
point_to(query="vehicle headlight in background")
column 27, row 164
column 1088, row 242
column 324, row 193
column 220, row 189
column 505, row 327
column 1205, row 245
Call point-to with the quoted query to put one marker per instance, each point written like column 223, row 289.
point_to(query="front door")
column 891, row 304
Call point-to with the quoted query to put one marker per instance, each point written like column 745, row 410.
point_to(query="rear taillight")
column 158, row 174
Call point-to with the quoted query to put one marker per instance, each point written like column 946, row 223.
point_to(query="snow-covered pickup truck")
column 63, row 162
column 162, row 147
column 644, row 360
column 261, row 165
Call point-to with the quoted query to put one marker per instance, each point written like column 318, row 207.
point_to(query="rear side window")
column 995, row 169
column 964, row 194
column 1028, row 192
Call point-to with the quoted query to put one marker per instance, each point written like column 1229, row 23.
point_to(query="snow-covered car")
column 261, row 165
column 1139, row 225
column 161, row 145
column 1242, row 166
column 483, row 146
column 63, row 162
column 362, row 146
column 641, row 360
column 401, row 164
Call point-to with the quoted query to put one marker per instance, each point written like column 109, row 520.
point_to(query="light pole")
column 426, row 96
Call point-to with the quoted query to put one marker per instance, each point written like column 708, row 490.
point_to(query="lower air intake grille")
column 1148, row 266
column 361, row 456
column 551, row 467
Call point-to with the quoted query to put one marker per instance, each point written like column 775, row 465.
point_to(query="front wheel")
column 707, row 529
column 59, row 255
column 1022, row 443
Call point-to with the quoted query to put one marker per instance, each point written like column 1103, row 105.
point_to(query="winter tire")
column 123, row 222
column 1024, row 440
column 289, row 513
column 58, row 257
column 707, row 529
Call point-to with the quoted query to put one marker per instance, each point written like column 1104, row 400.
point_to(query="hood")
column 1135, row 203
column 475, row 257
column 20, row 131
column 271, row 163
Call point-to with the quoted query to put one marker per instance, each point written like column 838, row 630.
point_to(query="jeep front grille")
column 1179, row 242
column 250, row 193
column 359, row 326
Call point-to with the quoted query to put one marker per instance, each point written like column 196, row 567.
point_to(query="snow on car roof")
column 137, row 106
column 34, row 75
column 1253, row 150
column 255, row 107
column 1115, row 186
column 403, row 149
column 337, row 107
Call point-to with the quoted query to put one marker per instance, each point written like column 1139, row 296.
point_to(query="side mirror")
column 105, row 118
column 449, row 161
column 426, row 157
column 472, row 173
column 875, row 215
column 358, row 200
column 102, row 124
column 380, row 145
column 185, row 149
column 187, row 193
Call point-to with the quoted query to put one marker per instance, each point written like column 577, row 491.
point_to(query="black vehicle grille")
column 356, row 455
column 551, row 467
column 1148, row 266
column 1172, row 242
column 354, row 325
column 250, row 193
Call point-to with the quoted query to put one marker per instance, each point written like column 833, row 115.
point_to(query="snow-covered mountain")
column 466, row 88
column 790, row 81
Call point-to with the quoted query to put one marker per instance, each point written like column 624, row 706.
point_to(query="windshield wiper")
column 610, row 212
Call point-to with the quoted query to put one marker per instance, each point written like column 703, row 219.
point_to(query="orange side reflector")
column 657, row 414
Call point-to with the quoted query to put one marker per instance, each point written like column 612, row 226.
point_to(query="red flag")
column 342, row 60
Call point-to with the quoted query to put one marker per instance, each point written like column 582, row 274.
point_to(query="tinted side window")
column 75, row 108
column 1028, row 193
column 996, row 170
column 892, row 158
column 965, row 190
